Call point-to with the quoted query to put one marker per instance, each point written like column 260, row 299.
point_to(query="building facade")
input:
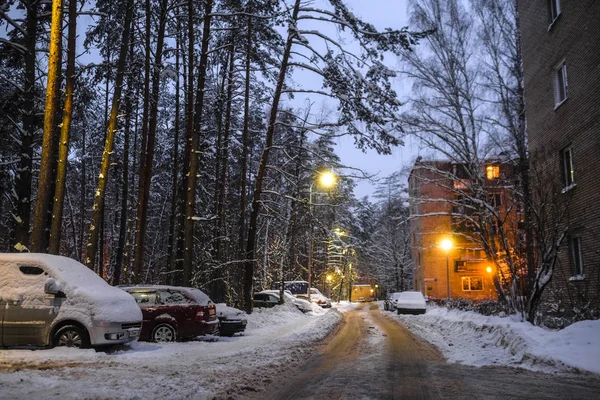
column 561, row 62
column 448, row 258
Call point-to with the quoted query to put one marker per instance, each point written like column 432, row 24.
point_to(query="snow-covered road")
column 275, row 339
column 280, row 344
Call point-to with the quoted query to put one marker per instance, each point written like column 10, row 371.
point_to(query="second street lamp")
column 325, row 179
column 447, row 246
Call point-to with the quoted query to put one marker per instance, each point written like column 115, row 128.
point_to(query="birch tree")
column 362, row 98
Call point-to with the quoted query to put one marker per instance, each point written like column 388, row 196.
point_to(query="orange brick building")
column 561, row 63
column 462, row 271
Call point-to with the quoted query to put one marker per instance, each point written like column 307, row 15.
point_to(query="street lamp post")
column 326, row 179
column 447, row 246
column 329, row 286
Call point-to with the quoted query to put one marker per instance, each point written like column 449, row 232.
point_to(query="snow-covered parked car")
column 317, row 297
column 231, row 320
column 409, row 302
column 173, row 312
column 48, row 300
column 302, row 305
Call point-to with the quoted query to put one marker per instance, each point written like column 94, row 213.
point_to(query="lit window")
column 492, row 172
column 560, row 83
column 472, row 283
column 554, row 9
column 568, row 167
column 576, row 256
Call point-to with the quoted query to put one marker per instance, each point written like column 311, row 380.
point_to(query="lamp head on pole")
column 446, row 245
column 327, row 179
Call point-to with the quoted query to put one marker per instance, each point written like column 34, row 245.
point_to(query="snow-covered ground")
column 473, row 339
column 275, row 339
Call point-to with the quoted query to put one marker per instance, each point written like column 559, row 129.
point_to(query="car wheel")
column 71, row 336
column 164, row 333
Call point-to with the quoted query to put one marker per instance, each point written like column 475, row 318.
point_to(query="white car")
column 317, row 297
column 303, row 305
column 409, row 302
column 48, row 300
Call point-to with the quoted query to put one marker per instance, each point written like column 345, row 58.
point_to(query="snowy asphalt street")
column 373, row 357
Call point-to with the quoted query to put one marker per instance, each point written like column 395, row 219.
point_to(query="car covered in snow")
column 317, row 297
column 48, row 300
column 172, row 313
column 409, row 302
column 231, row 320
column 270, row 298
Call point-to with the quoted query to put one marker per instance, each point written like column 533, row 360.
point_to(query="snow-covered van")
column 50, row 300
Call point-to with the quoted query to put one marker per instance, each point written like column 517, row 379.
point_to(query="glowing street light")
column 489, row 269
column 325, row 179
column 447, row 245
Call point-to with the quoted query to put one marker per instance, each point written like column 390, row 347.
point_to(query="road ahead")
column 373, row 357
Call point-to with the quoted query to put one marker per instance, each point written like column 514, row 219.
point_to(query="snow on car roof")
column 410, row 295
column 197, row 294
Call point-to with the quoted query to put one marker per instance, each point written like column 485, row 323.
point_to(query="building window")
column 472, row 283
column 492, row 172
column 554, row 9
column 560, row 83
column 568, row 167
column 576, row 256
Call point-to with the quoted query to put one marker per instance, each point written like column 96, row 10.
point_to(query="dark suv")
column 171, row 313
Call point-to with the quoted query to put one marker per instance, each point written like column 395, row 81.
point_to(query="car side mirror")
column 53, row 287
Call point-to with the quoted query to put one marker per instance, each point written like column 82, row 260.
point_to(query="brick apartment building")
column 462, row 271
column 561, row 61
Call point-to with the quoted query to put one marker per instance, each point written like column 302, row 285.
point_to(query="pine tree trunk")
column 171, row 243
column 61, row 172
column 250, row 262
column 219, row 289
column 23, row 177
column 188, row 253
column 146, row 173
column 146, row 102
column 52, row 92
column 181, row 277
column 245, row 142
column 125, row 177
column 98, row 208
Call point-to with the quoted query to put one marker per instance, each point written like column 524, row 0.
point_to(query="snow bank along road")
column 276, row 339
column 373, row 356
column 285, row 354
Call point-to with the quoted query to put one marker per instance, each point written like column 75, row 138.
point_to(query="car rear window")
column 174, row 298
column 147, row 298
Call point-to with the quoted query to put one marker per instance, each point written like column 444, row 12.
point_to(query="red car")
column 172, row 313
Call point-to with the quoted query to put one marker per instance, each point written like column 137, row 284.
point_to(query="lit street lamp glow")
column 447, row 245
column 325, row 179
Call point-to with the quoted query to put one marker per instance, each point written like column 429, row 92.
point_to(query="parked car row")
column 48, row 300
column 270, row 298
column 300, row 289
column 407, row 302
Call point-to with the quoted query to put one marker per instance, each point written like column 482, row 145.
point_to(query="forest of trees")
column 174, row 142
column 166, row 141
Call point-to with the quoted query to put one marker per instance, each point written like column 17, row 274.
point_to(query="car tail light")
column 200, row 313
column 205, row 313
